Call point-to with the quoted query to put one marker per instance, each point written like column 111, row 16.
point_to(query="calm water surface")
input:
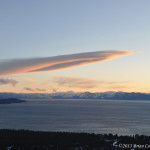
column 98, row 116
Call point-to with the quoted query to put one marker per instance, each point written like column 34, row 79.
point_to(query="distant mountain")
column 104, row 95
column 79, row 95
column 11, row 100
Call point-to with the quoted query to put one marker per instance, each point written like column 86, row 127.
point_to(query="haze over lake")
column 98, row 116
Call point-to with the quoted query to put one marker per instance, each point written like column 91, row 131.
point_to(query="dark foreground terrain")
column 36, row 140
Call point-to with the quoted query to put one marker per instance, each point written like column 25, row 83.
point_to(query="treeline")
column 37, row 140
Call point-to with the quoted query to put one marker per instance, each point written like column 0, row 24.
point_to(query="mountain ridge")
column 79, row 95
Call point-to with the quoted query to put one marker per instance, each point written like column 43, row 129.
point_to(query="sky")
column 83, row 45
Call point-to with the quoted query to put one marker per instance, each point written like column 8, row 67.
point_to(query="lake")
column 124, row 117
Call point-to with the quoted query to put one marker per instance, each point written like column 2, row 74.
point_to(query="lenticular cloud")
column 20, row 66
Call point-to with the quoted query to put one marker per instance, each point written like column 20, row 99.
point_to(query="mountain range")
column 79, row 95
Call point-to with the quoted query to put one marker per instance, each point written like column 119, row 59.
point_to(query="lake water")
column 98, row 116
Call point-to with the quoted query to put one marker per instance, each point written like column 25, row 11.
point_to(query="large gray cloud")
column 19, row 66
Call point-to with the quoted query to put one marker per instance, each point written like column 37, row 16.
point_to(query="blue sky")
column 39, row 28
column 36, row 28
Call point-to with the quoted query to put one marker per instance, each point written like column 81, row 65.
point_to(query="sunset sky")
column 74, row 45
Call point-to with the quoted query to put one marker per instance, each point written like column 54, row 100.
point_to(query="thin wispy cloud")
column 34, row 90
column 40, row 90
column 120, row 87
column 29, row 89
column 74, row 82
column 20, row 66
column 114, row 82
column 30, row 80
column 8, row 81
column 86, row 83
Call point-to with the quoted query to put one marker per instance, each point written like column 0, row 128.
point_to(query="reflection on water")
column 98, row 116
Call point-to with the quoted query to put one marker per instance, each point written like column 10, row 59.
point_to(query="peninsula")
column 11, row 100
